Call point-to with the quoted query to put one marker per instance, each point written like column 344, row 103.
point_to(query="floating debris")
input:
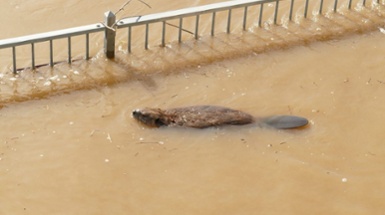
column 109, row 137
column 47, row 83
column 92, row 133
column 151, row 142
column 53, row 78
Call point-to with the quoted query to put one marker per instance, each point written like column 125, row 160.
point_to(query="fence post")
column 109, row 36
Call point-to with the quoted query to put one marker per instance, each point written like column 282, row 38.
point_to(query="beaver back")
column 204, row 116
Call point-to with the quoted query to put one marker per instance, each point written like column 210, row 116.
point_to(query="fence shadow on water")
column 138, row 60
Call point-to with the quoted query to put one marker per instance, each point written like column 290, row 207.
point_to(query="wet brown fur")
column 194, row 116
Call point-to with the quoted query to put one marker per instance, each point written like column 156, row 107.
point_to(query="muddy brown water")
column 81, row 152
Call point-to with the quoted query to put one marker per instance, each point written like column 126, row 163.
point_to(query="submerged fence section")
column 110, row 25
column 191, row 12
column 50, row 36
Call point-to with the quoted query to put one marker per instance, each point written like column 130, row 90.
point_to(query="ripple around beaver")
column 211, row 116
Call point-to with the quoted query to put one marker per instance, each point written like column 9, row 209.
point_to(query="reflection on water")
column 81, row 152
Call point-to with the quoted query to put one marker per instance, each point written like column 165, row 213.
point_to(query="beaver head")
column 149, row 116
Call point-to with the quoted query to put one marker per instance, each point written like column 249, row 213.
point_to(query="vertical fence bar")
column 51, row 53
column 180, row 30
column 146, row 37
column 260, row 16
column 276, row 12
column 14, row 59
column 364, row 3
column 291, row 10
column 69, row 50
column 335, row 5
column 245, row 18
column 33, row 55
column 87, row 46
column 306, row 8
column 163, row 33
column 350, row 4
column 321, row 6
column 197, row 27
column 129, row 39
column 109, row 34
column 228, row 22
column 213, row 24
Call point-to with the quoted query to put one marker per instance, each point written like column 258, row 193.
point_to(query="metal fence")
column 110, row 25
column 50, row 36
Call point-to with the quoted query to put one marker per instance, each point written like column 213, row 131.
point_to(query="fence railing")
column 109, row 26
column 190, row 12
column 50, row 36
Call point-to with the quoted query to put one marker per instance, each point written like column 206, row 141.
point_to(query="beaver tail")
column 285, row 121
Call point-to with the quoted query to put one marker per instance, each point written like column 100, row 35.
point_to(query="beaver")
column 211, row 116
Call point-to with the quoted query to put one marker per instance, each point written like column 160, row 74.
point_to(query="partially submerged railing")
column 189, row 12
column 51, row 36
column 109, row 27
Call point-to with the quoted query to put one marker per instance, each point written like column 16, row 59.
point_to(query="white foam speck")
column 47, row 83
column 53, row 78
